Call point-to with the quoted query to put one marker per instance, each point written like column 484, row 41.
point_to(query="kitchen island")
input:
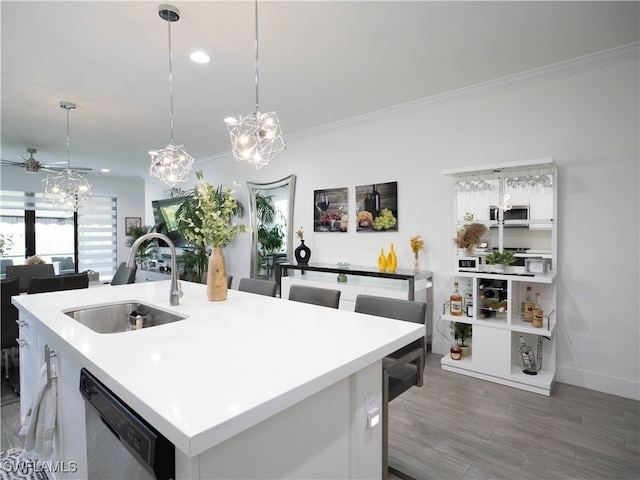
column 249, row 387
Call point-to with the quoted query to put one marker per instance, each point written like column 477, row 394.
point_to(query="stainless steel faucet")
column 175, row 291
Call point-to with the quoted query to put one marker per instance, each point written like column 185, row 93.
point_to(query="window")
column 37, row 227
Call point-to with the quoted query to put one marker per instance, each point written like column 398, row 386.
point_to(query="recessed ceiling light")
column 231, row 120
column 200, row 57
column 104, row 170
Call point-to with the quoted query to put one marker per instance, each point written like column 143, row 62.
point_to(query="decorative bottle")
column 456, row 301
column 538, row 314
column 376, row 201
column 526, row 309
column 456, row 351
column 528, row 358
column 392, row 261
column 382, row 261
column 468, row 299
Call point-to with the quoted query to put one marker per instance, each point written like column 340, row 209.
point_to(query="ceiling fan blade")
column 9, row 162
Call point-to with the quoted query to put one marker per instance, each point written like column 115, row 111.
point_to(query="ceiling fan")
column 31, row 165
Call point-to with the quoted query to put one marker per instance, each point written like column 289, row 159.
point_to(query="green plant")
column 146, row 247
column 205, row 219
column 270, row 231
column 462, row 330
column 6, row 242
column 505, row 258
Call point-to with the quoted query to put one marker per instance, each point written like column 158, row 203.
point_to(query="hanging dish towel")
column 40, row 422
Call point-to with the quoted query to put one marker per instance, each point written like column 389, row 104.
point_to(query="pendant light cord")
column 257, row 76
column 68, row 142
column 170, row 84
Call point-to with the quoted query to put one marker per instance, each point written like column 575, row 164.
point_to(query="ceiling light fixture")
column 68, row 190
column 170, row 164
column 256, row 138
column 200, row 57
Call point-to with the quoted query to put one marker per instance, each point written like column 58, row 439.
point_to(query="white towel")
column 40, row 423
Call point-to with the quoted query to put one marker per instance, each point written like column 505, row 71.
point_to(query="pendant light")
column 256, row 138
column 170, row 164
column 68, row 190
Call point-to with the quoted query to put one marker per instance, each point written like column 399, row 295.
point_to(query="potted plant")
column 270, row 231
column 146, row 248
column 500, row 259
column 463, row 331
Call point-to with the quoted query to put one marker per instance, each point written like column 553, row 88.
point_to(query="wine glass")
column 322, row 201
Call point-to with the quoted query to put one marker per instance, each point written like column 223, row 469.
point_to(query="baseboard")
column 621, row 387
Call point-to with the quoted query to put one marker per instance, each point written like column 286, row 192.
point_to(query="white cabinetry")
column 496, row 319
column 34, row 338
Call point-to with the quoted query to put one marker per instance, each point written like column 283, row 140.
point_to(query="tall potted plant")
column 270, row 229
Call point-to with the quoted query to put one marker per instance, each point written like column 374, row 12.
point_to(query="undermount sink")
column 121, row 317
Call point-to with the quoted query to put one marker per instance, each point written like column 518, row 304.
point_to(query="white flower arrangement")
column 210, row 222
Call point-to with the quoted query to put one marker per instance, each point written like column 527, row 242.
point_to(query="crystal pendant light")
column 171, row 164
column 256, row 138
column 68, row 190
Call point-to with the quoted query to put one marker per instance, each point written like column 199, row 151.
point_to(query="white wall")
column 129, row 191
column 584, row 116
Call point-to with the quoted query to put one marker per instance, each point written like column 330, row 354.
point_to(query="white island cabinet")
column 249, row 387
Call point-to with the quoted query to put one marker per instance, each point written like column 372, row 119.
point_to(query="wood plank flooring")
column 458, row 427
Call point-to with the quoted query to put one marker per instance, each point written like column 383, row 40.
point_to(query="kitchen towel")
column 40, row 422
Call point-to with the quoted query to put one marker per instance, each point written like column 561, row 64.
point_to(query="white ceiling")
column 320, row 62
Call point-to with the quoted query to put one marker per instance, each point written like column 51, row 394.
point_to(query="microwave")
column 516, row 213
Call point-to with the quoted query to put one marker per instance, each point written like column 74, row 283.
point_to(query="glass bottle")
column 468, row 299
column 526, row 310
column 376, row 201
column 456, row 301
column 538, row 314
column 528, row 358
column 456, row 351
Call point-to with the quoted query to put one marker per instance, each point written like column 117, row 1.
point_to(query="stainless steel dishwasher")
column 120, row 443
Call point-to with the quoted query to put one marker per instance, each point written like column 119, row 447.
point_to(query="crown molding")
column 568, row 67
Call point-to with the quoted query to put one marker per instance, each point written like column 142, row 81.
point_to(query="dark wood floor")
column 457, row 427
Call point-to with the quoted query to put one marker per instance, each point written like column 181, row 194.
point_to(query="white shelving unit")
column 496, row 334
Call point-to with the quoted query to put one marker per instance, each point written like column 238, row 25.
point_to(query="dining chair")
column 45, row 283
column 124, row 275
column 9, row 288
column 74, row 281
column 402, row 369
column 24, row 273
column 260, row 287
column 324, row 297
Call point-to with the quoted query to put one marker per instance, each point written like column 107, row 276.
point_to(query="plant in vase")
column 302, row 252
column 463, row 332
column 500, row 259
column 417, row 244
column 206, row 219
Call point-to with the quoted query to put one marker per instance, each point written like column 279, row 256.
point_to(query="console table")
column 403, row 284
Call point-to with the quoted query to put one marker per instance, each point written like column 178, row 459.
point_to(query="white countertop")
column 229, row 365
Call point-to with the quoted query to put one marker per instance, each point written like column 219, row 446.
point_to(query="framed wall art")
column 330, row 210
column 132, row 222
column 377, row 207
